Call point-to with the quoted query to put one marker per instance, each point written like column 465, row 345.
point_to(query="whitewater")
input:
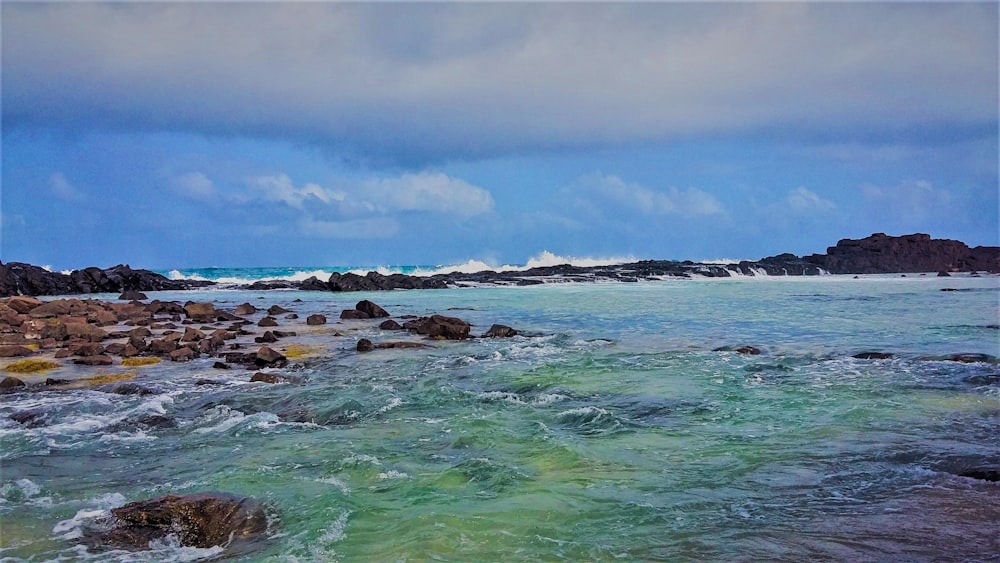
column 620, row 424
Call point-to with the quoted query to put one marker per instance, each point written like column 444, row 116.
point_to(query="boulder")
column 197, row 520
column 372, row 310
column 59, row 308
column 748, row 350
column 440, row 326
column 353, row 314
column 500, row 331
column 10, row 383
column 133, row 295
column 270, row 357
column 390, row 325
column 200, row 312
column 84, row 331
column 99, row 360
column 315, row 320
column 268, row 321
column 270, row 378
column 14, row 351
column 365, row 345
column 84, row 348
column 245, row 309
column 183, row 354
column 313, row 284
column 277, row 310
column 23, row 304
column 873, row 356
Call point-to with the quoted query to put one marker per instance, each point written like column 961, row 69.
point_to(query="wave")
column 245, row 276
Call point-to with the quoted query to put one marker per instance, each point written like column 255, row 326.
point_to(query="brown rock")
column 162, row 347
column 372, row 310
column 500, row 331
column 201, row 312
column 84, row 348
column 183, row 354
column 85, row 331
column 353, row 314
column 266, row 338
column 40, row 329
column 269, row 356
column 439, row 326
column 365, row 345
column 14, row 351
column 192, row 335
column 390, row 325
column 268, row 321
column 245, row 309
column 100, row 360
column 317, row 319
column 58, row 308
column 269, row 378
column 11, row 382
column 23, row 304
column 197, row 520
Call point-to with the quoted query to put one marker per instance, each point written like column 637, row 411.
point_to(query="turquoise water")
column 613, row 431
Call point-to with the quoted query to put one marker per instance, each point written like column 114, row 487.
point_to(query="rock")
column 183, row 354
column 873, row 356
column 365, row 345
column 85, row 331
column 192, row 335
column 439, row 326
column 197, row 520
column 41, row 329
column 315, row 320
column 130, row 389
column 10, row 351
column 267, row 338
column 271, row 378
column 200, row 312
column 9, row 382
column 973, row 358
column 353, row 314
column 23, row 304
column 99, row 360
column 390, row 325
column 982, row 474
column 268, row 321
column 55, row 381
column 85, row 348
column 268, row 356
column 313, row 284
column 500, row 331
column 918, row 252
column 748, row 350
column 277, row 310
column 372, row 310
column 245, row 309
column 30, row 418
column 943, row 274
column 220, row 365
column 133, row 295
column 399, row 344
column 59, row 308
column 161, row 346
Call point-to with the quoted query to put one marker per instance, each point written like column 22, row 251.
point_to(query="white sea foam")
column 392, row 474
column 72, row 528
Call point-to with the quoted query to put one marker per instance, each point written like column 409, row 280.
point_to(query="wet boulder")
column 371, row 309
column 133, row 295
column 440, row 326
column 355, row 314
column 365, row 345
column 390, row 325
column 200, row 312
column 14, row 351
column 873, row 356
column 316, row 320
column 23, row 304
column 500, row 331
column 11, row 383
column 267, row 356
column 197, row 520
column 245, row 309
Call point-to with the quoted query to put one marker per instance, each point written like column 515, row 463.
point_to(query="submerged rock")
column 197, row 520
column 439, row 326
column 873, row 356
column 500, row 331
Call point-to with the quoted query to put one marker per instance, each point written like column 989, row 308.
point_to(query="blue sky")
column 319, row 134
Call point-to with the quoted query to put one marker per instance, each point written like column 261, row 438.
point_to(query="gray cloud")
column 418, row 82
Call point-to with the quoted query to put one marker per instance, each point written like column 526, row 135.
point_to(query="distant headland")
column 876, row 254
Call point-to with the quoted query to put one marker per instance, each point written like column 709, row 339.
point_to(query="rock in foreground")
column 197, row 520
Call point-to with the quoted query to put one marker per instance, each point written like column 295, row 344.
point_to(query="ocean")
column 621, row 424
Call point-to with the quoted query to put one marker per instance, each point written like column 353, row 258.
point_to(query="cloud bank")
column 417, row 83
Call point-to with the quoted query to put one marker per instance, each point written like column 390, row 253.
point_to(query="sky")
column 168, row 135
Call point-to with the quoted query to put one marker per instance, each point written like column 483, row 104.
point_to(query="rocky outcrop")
column 883, row 254
column 24, row 279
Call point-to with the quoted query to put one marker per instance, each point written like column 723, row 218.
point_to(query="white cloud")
column 427, row 191
column 599, row 191
column 195, row 185
column 802, row 201
column 280, row 188
column 63, row 189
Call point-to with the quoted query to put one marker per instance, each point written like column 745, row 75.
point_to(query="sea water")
column 618, row 426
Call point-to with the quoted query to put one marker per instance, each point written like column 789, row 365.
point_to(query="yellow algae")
column 31, row 365
column 139, row 362
column 299, row 350
column 103, row 377
column 33, row 346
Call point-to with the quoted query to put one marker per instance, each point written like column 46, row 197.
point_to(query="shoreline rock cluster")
column 876, row 254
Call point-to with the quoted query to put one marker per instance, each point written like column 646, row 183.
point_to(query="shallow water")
column 614, row 431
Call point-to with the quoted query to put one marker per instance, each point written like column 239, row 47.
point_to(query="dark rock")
column 30, row 418
column 390, row 325
column 313, row 284
column 500, row 331
column 272, row 378
column 269, row 357
column 133, row 295
column 371, row 309
column 100, row 360
column 85, row 348
column 353, row 314
column 54, row 381
column 7, row 351
column 748, row 350
column 197, row 520
column 401, row 344
column 365, row 345
column 183, row 354
column 277, row 310
column 207, row 382
column 129, row 388
column 973, row 358
column 267, row 338
column 988, row 474
column 220, row 365
column 10, row 382
column 439, row 326
column 291, row 316
column 315, row 320
column 268, row 321
column 873, row 356
column 883, row 254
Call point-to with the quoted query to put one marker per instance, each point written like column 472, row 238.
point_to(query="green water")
column 615, row 431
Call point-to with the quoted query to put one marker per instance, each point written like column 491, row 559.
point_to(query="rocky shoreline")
column 877, row 254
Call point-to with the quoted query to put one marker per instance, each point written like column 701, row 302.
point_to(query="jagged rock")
column 883, row 254
column 500, row 331
column 315, row 320
column 314, row 284
column 197, row 520
column 390, row 325
column 270, row 357
column 371, row 309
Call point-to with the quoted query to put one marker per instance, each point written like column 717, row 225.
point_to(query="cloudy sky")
column 318, row 134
